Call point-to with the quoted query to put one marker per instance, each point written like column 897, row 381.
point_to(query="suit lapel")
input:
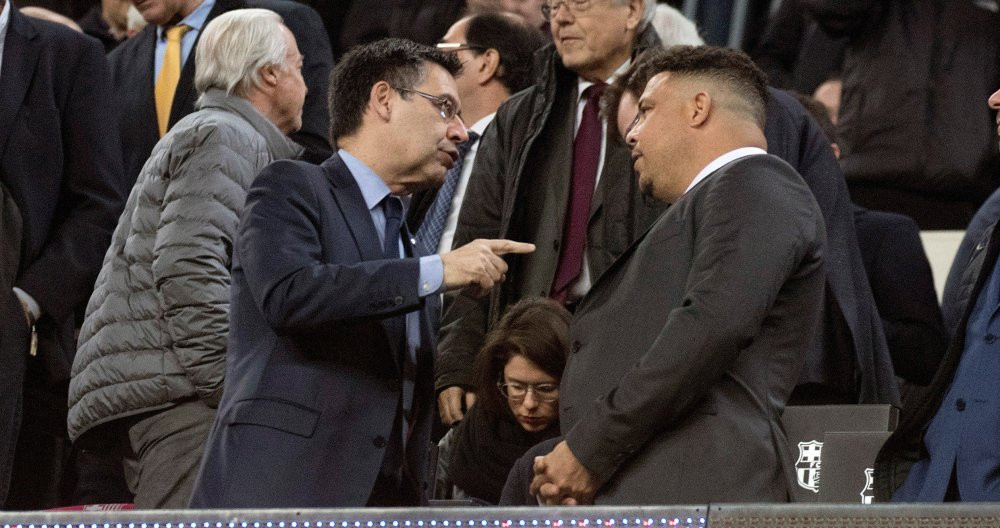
column 352, row 205
column 185, row 96
column 145, row 76
column 19, row 61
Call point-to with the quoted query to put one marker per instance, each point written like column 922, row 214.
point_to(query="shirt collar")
column 583, row 84
column 4, row 20
column 480, row 126
column 195, row 20
column 373, row 189
column 723, row 160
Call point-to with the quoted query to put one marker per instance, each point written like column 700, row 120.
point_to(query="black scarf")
column 485, row 448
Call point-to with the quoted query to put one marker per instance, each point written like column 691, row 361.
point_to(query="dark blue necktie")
column 393, row 209
column 429, row 234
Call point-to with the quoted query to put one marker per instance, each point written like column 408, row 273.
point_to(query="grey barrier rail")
column 713, row 515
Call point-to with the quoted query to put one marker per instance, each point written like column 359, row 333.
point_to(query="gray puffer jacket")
column 156, row 326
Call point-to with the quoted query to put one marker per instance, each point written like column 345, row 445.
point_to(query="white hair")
column 648, row 11
column 235, row 46
column 674, row 28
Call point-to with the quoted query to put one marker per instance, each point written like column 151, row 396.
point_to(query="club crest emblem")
column 807, row 467
column 868, row 492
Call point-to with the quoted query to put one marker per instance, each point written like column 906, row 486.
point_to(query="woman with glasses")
column 517, row 375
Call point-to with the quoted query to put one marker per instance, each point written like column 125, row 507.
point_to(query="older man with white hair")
column 149, row 371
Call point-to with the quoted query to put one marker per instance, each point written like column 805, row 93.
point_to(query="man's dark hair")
column 729, row 68
column 515, row 41
column 820, row 114
column 399, row 62
column 536, row 328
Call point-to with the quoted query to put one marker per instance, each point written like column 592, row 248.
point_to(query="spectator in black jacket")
column 913, row 136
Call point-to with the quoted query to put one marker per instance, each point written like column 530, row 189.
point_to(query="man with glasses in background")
column 547, row 172
column 495, row 50
column 329, row 395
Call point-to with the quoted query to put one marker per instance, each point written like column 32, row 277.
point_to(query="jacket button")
column 576, row 346
column 990, row 338
column 960, row 404
column 378, row 442
column 398, row 300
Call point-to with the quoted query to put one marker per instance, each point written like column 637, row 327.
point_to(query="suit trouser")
column 164, row 452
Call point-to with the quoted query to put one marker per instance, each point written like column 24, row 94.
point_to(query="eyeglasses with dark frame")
column 460, row 46
column 575, row 6
column 515, row 391
column 446, row 107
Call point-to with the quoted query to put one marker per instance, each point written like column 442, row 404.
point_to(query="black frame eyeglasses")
column 575, row 6
column 460, row 46
column 546, row 392
column 447, row 108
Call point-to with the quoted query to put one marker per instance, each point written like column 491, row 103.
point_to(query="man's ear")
column 699, row 108
column 381, row 99
column 269, row 76
column 489, row 66
column 635, row 10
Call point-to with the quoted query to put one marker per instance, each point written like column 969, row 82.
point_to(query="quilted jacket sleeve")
column 192, row 255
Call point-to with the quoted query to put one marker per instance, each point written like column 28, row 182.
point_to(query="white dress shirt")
column 451, row 223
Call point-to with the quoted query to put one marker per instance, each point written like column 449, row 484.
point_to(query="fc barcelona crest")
column 868, row 492
column 807, row 467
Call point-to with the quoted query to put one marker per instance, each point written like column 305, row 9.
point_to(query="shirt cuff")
column 431, row 276
column 33, row 307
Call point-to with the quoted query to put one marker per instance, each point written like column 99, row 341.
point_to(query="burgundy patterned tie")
column 586, row 155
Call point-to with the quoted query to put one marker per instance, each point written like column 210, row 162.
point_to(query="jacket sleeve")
column 704, row 335
column 192, row 258
column 92, row 193
column 288, row 267
column 464, row 322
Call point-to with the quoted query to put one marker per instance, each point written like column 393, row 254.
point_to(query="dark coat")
column 905, row 446
column 313, row 379
column 132, row 77
column 61, row 164
column 526, row 151
column 917, row 74
column 952, row 303
column 903, row 286
column 851, row 321
column 708, row 317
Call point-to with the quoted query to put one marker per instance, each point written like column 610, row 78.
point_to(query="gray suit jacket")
column 685, row 351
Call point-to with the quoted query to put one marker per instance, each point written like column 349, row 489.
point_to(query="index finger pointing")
column 503, row 247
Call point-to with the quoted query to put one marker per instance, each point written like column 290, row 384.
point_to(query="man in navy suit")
column 138, row 63
column 945, row 448
column 62, row 191
column 329, row 392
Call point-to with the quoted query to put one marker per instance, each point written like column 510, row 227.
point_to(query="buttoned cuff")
column 33, row 307
column 431, row 276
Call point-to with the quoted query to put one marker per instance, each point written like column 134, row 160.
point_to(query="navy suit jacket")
column 61, row 164
column 132, row 77
column 313, row 378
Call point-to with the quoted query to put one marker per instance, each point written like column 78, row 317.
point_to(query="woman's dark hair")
column 536, row 328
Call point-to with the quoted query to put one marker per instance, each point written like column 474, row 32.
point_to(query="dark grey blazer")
column 684, row 352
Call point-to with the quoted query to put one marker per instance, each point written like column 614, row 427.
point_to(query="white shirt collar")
column 583, row 84
column 480, row 126
column 723, row 160
column 4, row 21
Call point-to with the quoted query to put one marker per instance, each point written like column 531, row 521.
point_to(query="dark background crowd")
column 880, row 106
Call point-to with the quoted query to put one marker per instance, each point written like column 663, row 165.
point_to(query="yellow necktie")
column 170, row 73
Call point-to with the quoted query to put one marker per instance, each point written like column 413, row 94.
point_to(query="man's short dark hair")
column 516, row 42
column 729, row 68
column 820, row 114
column 399, row 62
